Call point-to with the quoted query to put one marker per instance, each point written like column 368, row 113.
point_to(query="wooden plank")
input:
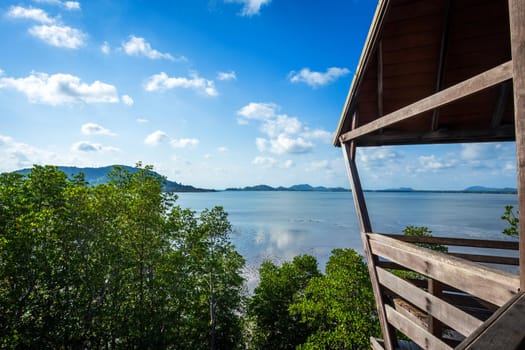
column 419, row 335
column 411, row 312
column 503, row 330
column 465, row 242
column 448, row 314
column 376, row 344
column 442, row 60
column 466, row 88
column 379, row 79
column 517, row 37
column 365, row 226
column 490, row 259
column 499, row 110
column 389, row 137
column 483, row 282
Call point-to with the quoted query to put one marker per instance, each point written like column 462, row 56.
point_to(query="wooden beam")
column 466, row 88
column 364, row 60
column 490, row 259
column 501, row 103
column 390, row 137
column 442, row 60
column 448, row 314
column 494, row 286
column 517, row 40
column 503, row 330
column 379, row 79
column 435, row 326
column 461, row 242
column 418, row 334
column 365, row 227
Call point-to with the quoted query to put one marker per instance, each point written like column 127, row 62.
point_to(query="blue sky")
column 213, row 93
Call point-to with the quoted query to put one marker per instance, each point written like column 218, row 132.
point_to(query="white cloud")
column 284, row 144
column 156, row 137
column 127, row 100
column 95, row 129
column 479, row 151
column 17, row 155
column 226, row 76
column 60, row 89
column 317, row 79
column 162, row 82
column 250, row 7
column 59, row 35
column 432, row 163
column 258, row 111
column 286, row 134
column 318, row 134
column 142, row 120
column 68, row 5
column 222, row 149
column 183, row 143
column 136, row 46
column 31, row 13
column 265, row 162
column 72, row 5
column 281, row 124
column 288, row 164
column 105, row 48
column 86, row 146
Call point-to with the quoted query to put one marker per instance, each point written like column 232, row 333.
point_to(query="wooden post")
column 365, row 228
column 434, row 325
column 517, row 40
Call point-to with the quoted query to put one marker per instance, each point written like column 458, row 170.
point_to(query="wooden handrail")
column 446, row 313
column 486, row 283
column 464, row 242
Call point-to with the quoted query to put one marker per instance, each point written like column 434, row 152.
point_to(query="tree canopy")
column 115, row 265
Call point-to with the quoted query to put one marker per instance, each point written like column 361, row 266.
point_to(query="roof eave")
column 366, row 55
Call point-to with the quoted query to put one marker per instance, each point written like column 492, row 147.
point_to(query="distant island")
column 297, row 188
column 96, row 176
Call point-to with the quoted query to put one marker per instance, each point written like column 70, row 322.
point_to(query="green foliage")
column 274, row 327
column 513, row 221
column 339, row 307
column 114, row 266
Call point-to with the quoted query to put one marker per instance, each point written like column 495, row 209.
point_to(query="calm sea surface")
column 280, row 225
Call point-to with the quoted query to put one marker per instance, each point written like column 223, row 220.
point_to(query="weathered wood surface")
column 486, row 283
column 418, row 334
column 491, row 259
column 461, row 90
column 465, row 242
column 503, row 330
column 448, row 314
column 517, row 37
column 402, row 137
column 365, row 226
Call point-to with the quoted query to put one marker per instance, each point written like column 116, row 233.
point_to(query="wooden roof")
column 416, row 48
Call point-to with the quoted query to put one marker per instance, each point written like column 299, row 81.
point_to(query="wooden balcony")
column 433, row 72
column 443, row 301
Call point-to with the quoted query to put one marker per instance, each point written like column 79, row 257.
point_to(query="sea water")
column 281, row 225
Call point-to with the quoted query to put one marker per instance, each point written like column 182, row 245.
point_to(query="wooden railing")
column 452, row 295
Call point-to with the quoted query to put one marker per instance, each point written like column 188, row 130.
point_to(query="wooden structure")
column 441, row 71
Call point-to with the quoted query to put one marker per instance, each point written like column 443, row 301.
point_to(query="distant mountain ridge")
column 490, row 189
column 297, row 188
column 96, row 176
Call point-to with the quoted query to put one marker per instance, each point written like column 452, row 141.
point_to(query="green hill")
column 96, row 176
